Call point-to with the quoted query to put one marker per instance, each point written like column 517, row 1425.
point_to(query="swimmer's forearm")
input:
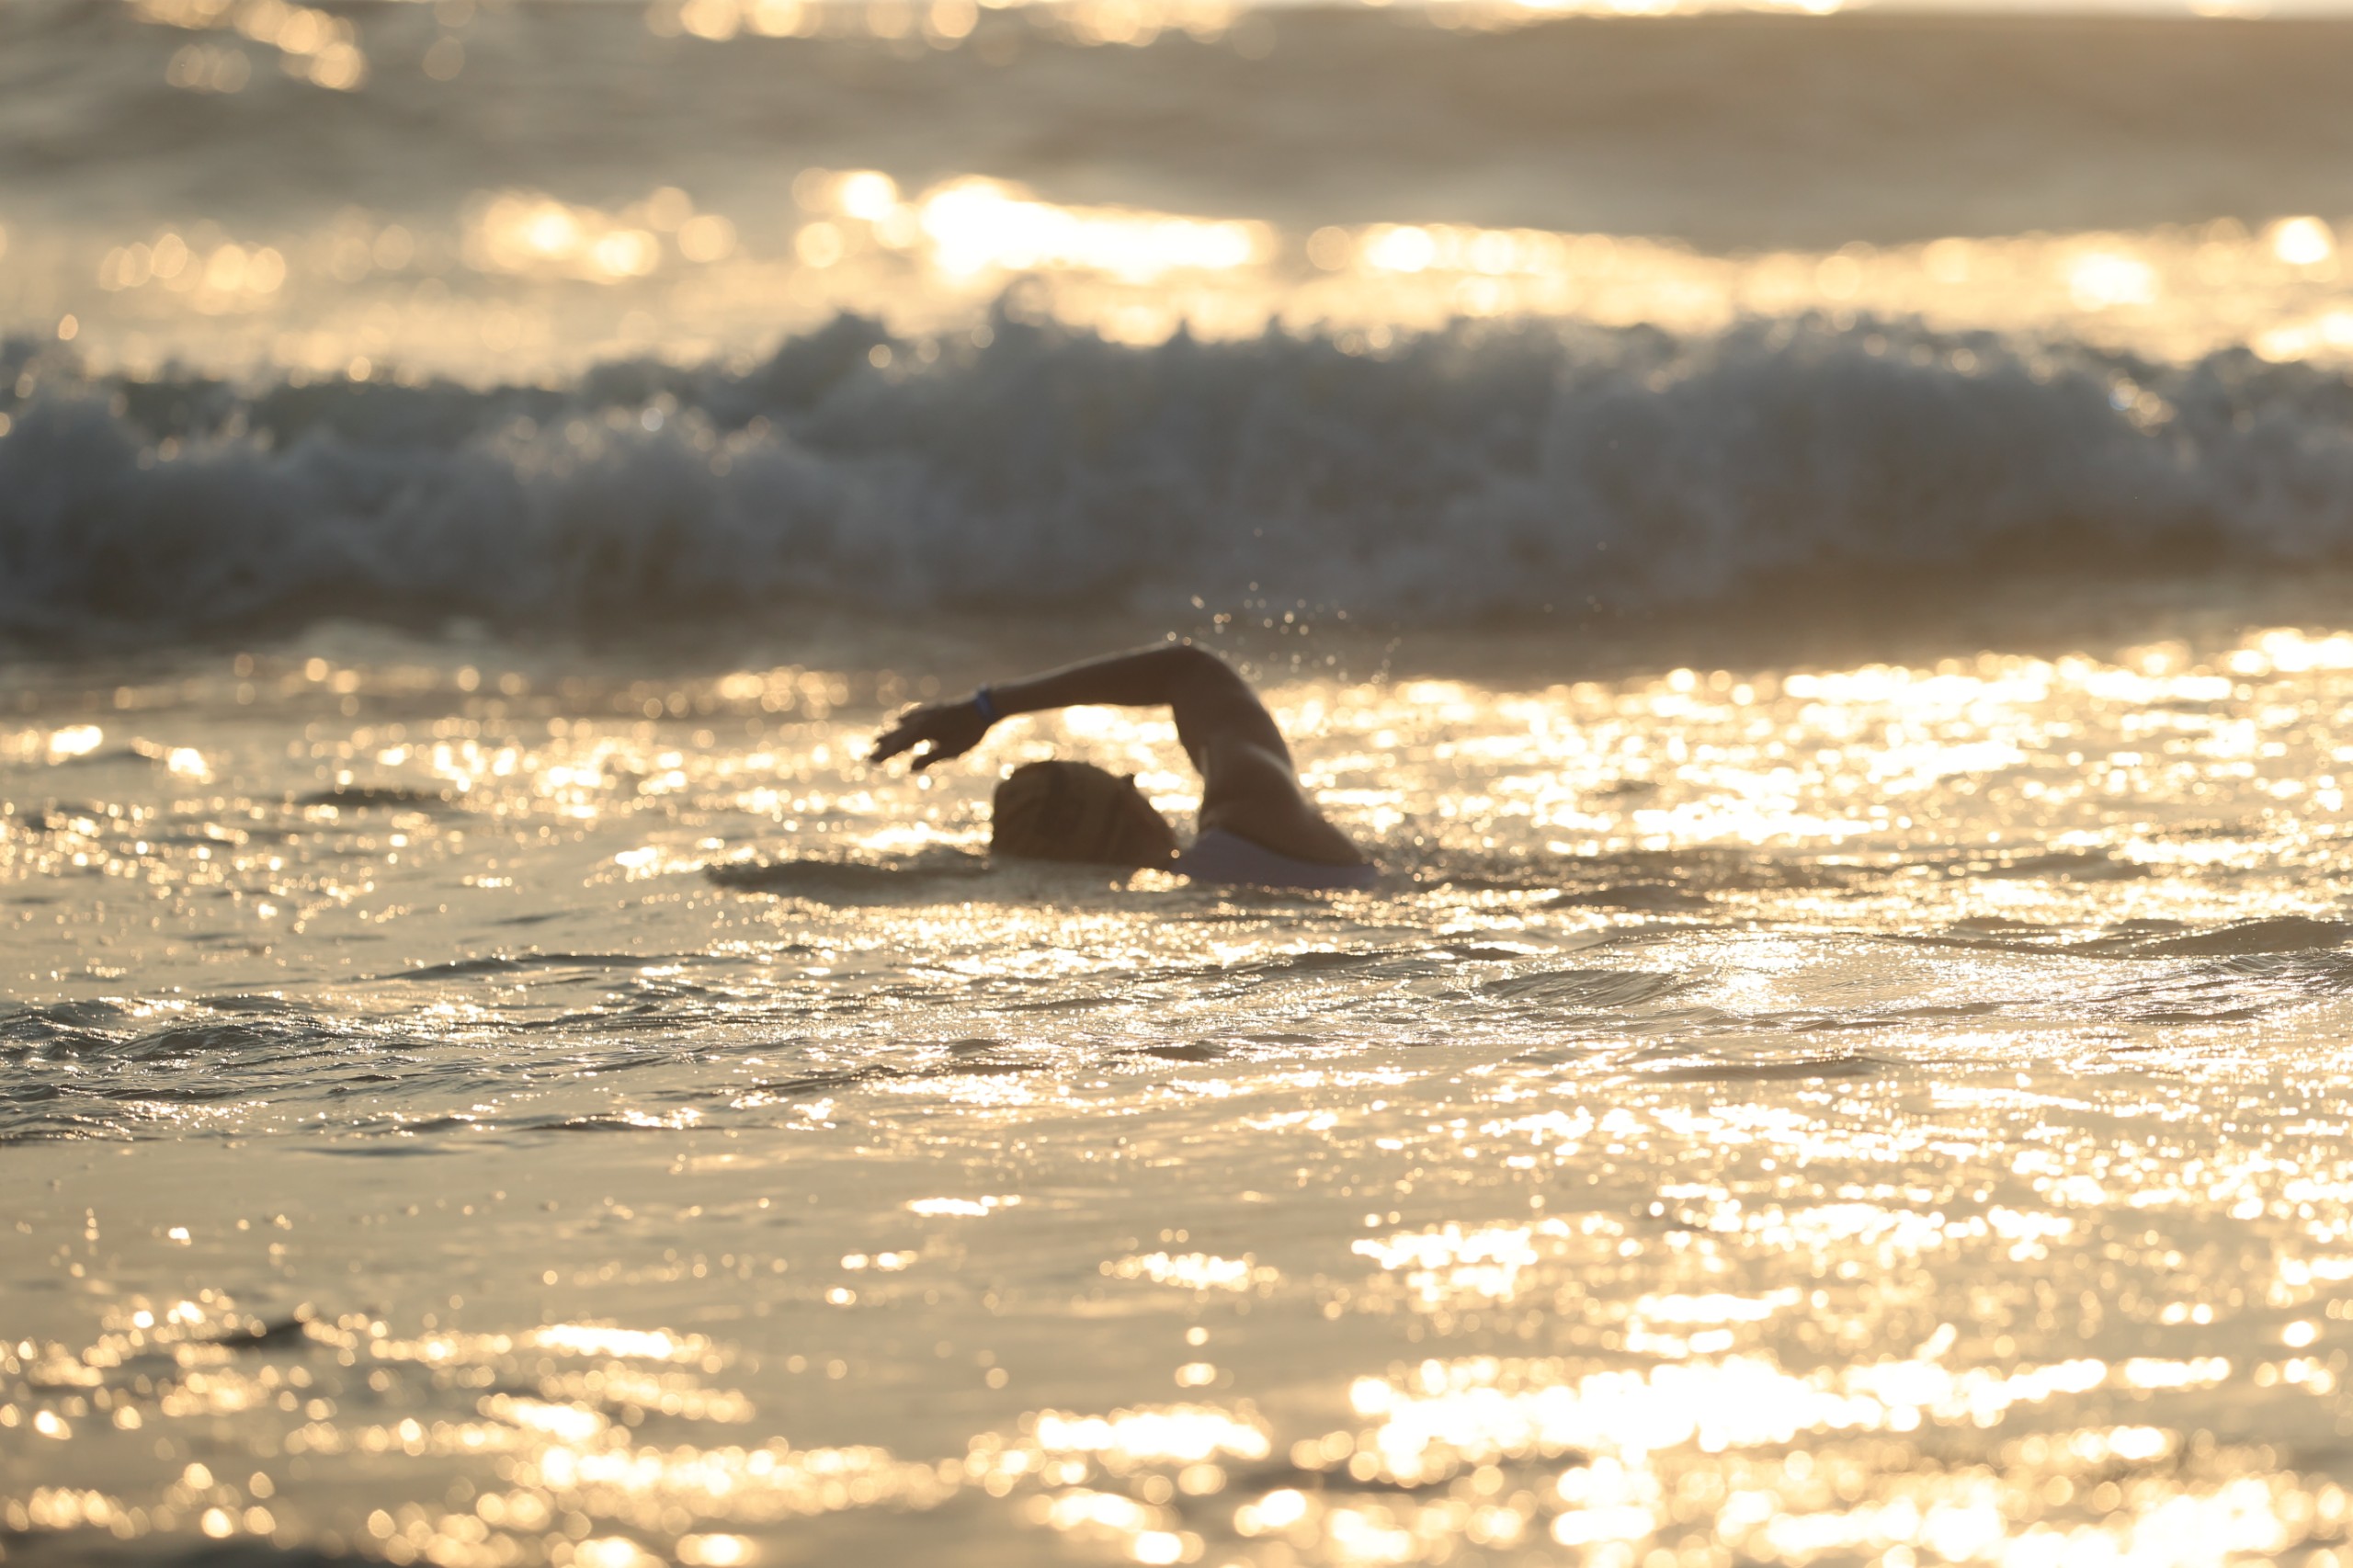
column 1148, row 678
column 1206, row 698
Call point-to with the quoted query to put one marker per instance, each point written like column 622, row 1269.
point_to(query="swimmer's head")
column 1073, row 811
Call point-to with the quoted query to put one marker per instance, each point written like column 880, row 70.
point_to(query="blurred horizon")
column 736, row 170
column 677, row 312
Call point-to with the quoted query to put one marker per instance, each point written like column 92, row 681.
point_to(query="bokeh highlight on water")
column 1762, row 1118
column 1826, row 602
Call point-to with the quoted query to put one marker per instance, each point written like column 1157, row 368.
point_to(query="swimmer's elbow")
column 1196, row 666
column 1201, row 686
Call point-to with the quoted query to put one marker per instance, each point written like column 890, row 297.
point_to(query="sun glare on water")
column 1772, row 1115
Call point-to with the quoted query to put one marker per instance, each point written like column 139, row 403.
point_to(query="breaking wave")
column 1466, row 475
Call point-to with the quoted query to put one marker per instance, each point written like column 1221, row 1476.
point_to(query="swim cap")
column 1073, row 811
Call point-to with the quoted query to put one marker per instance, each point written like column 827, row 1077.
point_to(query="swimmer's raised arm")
column 1207, row 698
column 1248, row 786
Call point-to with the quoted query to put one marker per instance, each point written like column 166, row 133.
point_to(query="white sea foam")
column 1466, row 475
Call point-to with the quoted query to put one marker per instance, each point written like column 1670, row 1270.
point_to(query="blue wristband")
column 986, row 704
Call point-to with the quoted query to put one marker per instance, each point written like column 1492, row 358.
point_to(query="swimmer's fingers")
column 952, row 732
column 908, row 731
column 941, row 732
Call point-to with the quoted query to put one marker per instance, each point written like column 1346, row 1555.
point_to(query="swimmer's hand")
column 943, row 730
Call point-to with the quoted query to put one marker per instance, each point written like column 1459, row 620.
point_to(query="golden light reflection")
column 1920, row 1186
column 1442, row 1265
column 314, row 44
column 2089, row 759
column 976, row 225
column 942, row 23
column 961, row 1207
column 1129, row 1440
column 488, row 299
column 1196, row 1271
column 530, row 234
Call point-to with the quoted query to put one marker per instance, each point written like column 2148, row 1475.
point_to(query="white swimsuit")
column 1217, row 856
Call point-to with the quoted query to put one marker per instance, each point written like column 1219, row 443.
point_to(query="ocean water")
column 1811, row 549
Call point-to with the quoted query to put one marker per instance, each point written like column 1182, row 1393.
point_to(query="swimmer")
column 1256, row 825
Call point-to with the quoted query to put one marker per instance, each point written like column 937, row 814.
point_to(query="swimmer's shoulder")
column 1270, row 811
